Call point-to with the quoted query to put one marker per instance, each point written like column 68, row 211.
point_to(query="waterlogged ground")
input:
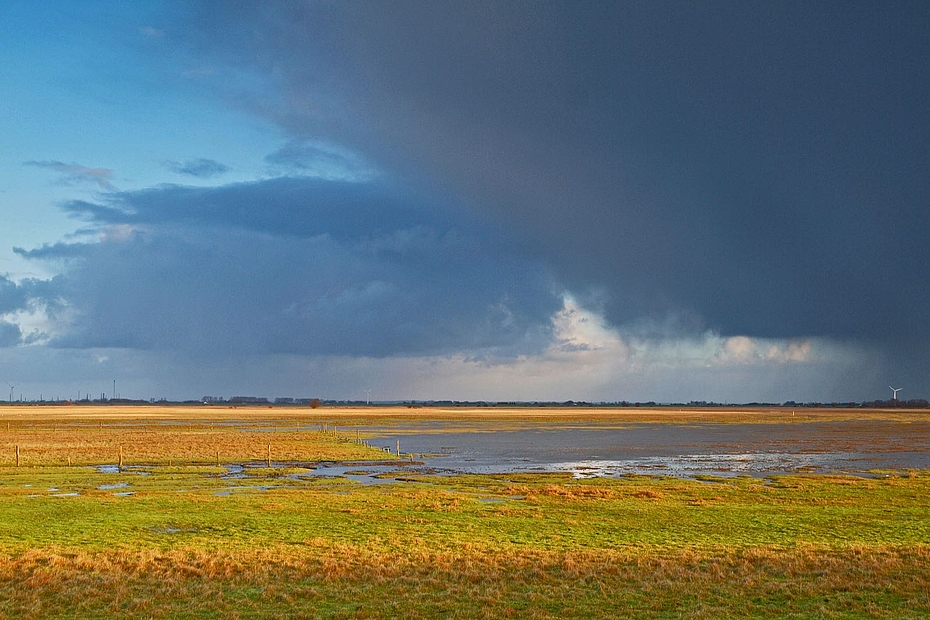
column 303, row 514
column 581, row 441
column 674, row 449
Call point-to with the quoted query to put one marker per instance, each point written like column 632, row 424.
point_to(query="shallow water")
column 115, row 485
column 672, row 449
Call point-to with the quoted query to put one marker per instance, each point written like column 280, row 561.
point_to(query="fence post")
column 17, row 455
column 119, row 464
column 268, row 462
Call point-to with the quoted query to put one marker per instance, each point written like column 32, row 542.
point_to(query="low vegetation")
column 95, row 441
column 196, row 540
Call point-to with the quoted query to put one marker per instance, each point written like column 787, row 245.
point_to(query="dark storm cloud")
column 753, row 168
column 295, row 266
column 200, row 168
column 288, row 206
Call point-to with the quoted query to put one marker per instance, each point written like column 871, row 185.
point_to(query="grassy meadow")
column 172, row 536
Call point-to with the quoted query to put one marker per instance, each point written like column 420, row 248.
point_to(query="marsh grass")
column 59, row 442
column 340, row 581
column 547, row 547
column 192, row 542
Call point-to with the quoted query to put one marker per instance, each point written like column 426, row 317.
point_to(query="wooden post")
column 217, row 458
column 357, row 440
column 119, row 464
column 398, row 447
column 69, row 460
column 269, row 456
column 17, row 455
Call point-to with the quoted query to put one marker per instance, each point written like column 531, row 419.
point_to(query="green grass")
column 190, row 544
column 542, row 512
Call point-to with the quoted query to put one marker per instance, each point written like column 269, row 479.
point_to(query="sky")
column 598, row 201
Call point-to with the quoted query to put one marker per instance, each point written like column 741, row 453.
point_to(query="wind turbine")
column 894, row 392
column 11, row 391
column 368, row 396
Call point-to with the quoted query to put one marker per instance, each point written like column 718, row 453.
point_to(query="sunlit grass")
column 190, row 543
column 174, row 536
column 63, row 442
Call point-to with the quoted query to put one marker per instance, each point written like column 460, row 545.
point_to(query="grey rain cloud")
column 12, row 297
column 200, row 168
column 10, row 334
column 296, row 265
column 307, row 157
column 753, row 169
column 76, row 173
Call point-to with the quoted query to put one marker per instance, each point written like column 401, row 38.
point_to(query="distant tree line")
column 915, row 403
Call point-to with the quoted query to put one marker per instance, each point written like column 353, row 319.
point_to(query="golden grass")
column 322, row 579
column 69, row 441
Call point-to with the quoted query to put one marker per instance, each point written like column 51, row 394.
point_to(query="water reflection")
column 673, row 450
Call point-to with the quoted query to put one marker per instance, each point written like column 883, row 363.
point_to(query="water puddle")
column 115, row 485
column 114, row 469
column 172, row 529
column 241, row 489
column 376, row 474
column 234, row 471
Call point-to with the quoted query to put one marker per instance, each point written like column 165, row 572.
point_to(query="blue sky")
column 514, row 201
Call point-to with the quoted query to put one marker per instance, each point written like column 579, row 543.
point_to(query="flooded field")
column 586, row 442
column 682, row 450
